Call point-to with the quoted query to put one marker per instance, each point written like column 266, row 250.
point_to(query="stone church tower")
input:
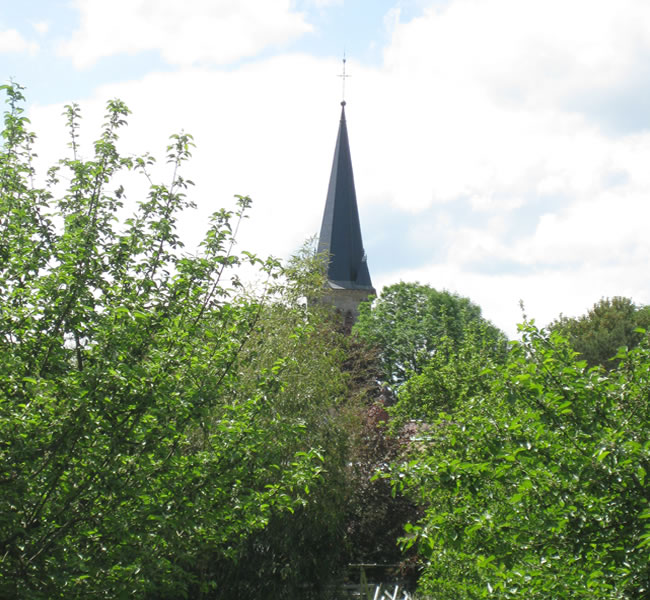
column 348, row 278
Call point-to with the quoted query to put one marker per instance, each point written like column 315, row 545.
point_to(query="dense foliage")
column 534, row 474
column 408, row 321
column 450, row 377
column 609, row 325
column 156, row 424
column 374, row 516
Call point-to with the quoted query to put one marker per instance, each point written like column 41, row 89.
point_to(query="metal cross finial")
column 343, row 76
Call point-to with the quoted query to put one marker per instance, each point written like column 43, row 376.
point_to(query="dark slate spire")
column 340, row 233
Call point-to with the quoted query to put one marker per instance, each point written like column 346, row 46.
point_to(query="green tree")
column 455, row 373
column 151, row 420
column 535, row 482
column 300, row 551
column 609, row 325
column 408, row 321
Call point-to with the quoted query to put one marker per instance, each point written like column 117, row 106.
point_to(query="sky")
column 501, row 148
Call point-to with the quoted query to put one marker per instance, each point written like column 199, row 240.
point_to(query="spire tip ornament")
column 343, row 76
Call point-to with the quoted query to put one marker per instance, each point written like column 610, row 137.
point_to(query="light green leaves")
column 535, row 483
column 154, row 420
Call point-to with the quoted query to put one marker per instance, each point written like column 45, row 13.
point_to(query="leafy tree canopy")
column 608, row 326
column 409, row 320
column 455, row 373
column 155, row 421
column 535, row 478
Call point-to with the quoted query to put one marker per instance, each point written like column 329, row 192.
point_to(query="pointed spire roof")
column 340, row 233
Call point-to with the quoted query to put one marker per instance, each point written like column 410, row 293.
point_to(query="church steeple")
column 340, row 235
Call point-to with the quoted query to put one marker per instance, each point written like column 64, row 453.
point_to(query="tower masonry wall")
column 347, row 301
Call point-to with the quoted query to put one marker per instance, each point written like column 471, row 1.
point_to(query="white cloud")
column 512, row 109
column 323, row 3
column 185, row 33
column 41, row 27
column 391, row 19
column 488, row 94
column 12, row 41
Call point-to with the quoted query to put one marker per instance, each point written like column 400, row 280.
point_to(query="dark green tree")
column 408, row 321
column 154, row 419
column 375, row 517
column 610, row 324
